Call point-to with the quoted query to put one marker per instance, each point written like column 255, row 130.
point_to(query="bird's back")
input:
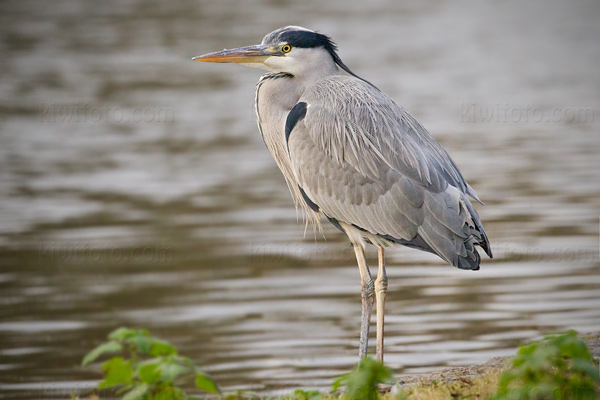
column 366, row 163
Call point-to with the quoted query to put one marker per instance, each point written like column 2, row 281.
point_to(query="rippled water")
column 135, row 189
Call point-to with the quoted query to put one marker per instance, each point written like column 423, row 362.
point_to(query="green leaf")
column 171, row 370
column 300, row 394
column 162, row 348
column 149, row 373
column 204, row 382
column 137, row 393
column 166, row 391
column 361, row 384
column 118, row 371
column 587, row 368
column 552, row 368
column 339, row 381
column 120, row 333
column 108, row 347
column 142, row 342
column 128, row 335
column 178, row 394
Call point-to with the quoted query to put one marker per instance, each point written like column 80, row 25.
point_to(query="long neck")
column 276, row 94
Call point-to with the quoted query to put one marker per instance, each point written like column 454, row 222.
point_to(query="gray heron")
column 352, row 154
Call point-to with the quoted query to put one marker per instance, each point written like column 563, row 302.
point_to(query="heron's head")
column 292, row 49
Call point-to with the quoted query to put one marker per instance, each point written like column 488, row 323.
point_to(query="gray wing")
column 362, row 159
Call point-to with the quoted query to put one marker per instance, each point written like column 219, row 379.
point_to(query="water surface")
column 135, row 189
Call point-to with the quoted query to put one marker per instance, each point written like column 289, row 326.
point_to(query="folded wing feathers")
column 384, row 172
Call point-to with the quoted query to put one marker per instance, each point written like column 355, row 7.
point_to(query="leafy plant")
column 558, row 367
column 300, row 394
column 152, row 371
column 361, row 383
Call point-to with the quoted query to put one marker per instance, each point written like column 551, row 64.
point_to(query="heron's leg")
column 366, row 291
column 381, row 284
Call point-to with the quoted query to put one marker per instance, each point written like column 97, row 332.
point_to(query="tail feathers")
column 460, row 252
column 484, row 243
column 470, row 262
column 454, row 238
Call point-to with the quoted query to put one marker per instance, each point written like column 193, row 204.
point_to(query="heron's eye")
column 286, row 48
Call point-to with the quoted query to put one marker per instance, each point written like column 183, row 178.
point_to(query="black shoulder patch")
column 308, row 201
column 335, row 223
column 297, row 113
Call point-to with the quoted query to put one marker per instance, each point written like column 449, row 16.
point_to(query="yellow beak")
column 243, row 55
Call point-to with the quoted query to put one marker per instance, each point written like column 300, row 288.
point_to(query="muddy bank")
column 592, row 340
